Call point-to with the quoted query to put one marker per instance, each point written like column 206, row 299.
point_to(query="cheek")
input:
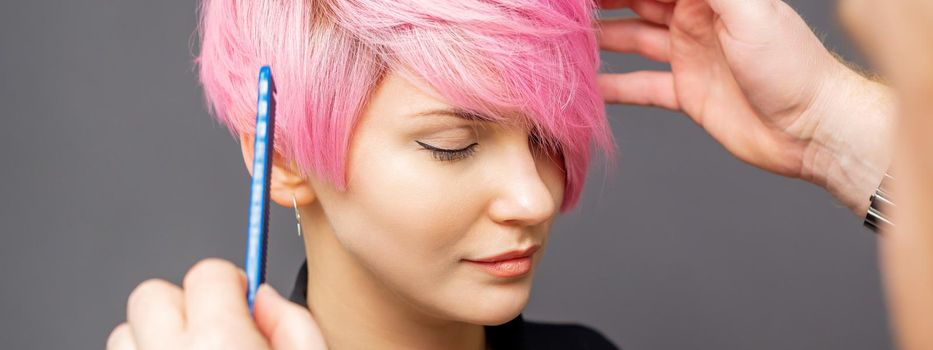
column 401, row 215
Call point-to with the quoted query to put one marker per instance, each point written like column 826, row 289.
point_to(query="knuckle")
column 146, row 291
column 118, row 335
column 208, row 268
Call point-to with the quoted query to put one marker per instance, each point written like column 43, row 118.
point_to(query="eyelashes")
column 538, row 147
column 449, row 155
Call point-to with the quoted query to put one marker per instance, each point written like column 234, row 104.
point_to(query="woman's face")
column 433, row 198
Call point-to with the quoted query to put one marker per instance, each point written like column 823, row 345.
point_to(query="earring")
column 297, row 215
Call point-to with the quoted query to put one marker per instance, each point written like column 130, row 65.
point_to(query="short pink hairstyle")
column 533, row 60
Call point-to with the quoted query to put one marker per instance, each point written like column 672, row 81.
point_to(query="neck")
column 356, row 311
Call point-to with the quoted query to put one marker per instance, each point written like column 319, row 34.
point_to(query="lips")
column 513, row 263
column 512, row 254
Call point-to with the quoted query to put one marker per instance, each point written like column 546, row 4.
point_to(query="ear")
column 285, row 180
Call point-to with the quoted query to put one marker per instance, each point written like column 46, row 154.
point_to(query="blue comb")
column 257, row 232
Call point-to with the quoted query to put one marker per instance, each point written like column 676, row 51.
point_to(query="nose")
column 522, row 194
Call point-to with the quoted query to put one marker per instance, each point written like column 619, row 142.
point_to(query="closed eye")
column 449, row 155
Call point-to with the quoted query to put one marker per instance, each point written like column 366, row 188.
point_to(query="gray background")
column 114, row 173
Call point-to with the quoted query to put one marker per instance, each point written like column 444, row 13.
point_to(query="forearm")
column 852, row 147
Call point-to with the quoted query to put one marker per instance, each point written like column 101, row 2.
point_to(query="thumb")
column 285, row 324
column 735, row 10
column 755, row 22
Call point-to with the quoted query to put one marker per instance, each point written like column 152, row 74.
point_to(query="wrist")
column 851, row 148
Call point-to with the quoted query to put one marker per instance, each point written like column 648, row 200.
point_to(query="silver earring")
column 297, row 215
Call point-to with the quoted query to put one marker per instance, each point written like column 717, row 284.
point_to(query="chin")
column 495, row 306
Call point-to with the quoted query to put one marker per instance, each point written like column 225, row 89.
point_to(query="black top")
column 515, row 334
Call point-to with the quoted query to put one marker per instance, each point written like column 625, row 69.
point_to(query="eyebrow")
column 453, row 112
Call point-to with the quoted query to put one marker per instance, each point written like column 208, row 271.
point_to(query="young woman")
column 428, row 146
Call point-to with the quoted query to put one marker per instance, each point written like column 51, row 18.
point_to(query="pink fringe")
column 533, row 58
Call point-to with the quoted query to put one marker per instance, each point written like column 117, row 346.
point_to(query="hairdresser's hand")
column 211, row 313
column 756, row 78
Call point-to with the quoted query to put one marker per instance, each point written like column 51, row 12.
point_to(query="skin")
column 806, row 116
column 210, row 313
column 895, row 34
column 387, row 255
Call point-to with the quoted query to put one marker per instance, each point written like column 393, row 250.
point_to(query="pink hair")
column 535, row 59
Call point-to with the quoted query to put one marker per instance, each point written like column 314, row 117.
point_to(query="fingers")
column 632, row 35
column 643, row 88
column 121, row 338
column 210, row 313
column 286, row 325
column 656, row 11
column 615, row 4
column 155, row 312
column 215, row 294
